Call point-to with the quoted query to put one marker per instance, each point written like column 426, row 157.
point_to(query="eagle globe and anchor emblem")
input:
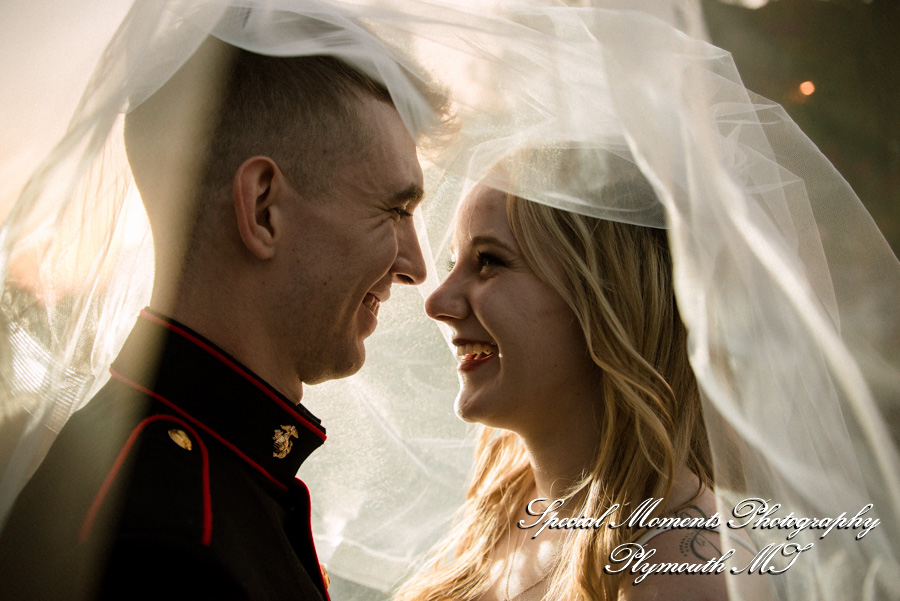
column 282, row 442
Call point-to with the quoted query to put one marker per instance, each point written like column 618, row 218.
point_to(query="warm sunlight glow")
column 807, row 88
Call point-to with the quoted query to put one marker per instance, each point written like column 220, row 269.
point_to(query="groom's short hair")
column 303, row 112
column 300, row 111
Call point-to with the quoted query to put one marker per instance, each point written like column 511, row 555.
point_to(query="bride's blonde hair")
column 617, row 279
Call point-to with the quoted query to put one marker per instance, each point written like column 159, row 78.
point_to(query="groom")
column 280, row 197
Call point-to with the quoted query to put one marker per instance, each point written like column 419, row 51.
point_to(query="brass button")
column 180, row 438
column 325, row 577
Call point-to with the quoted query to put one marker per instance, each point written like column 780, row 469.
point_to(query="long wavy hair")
column 617, row 280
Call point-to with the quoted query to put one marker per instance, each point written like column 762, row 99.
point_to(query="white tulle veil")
column 787, row 287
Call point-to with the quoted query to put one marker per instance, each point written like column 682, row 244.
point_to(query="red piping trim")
column 236, row 368
column 198, row 423
column 312, row 542
column 120, row 460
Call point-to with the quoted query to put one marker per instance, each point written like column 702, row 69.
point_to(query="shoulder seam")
column 172, row 406
column 94, row 510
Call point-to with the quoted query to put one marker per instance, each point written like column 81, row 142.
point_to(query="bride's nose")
column 448, row 301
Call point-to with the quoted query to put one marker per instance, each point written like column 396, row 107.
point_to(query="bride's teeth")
column 475, row 350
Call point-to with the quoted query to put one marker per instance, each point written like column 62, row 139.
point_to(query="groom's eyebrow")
column 414, row 194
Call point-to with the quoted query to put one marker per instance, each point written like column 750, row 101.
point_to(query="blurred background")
column 835, row 67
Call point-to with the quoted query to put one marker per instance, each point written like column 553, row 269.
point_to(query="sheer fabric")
column 786, row 285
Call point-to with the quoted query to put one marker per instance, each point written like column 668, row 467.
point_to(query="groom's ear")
column 260, row 192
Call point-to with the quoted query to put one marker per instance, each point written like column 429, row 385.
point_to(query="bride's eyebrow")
column 492, row 241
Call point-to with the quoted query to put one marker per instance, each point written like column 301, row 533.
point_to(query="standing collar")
column 215, row 392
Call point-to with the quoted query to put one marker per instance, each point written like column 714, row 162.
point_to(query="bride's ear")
column 258, row 187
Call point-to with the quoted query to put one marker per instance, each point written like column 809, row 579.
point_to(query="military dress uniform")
column 176, row 481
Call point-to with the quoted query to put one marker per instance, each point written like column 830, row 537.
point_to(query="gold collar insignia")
column 282, row 441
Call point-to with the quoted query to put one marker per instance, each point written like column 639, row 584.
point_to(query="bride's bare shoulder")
column 684, row 563
column 663, row 571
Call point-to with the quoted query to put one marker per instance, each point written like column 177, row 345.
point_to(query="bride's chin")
column 468, row 409
column 461, row 408
column 475, row 409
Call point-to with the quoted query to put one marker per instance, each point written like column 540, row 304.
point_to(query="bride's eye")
column 486, row 259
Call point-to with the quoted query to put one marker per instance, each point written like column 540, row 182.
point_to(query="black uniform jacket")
column 176, row 481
